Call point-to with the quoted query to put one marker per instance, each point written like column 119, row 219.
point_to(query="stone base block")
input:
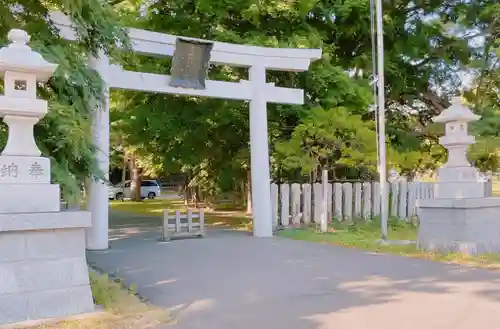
column 24, row 170
column 29, row 198
column 460, row 174
column 459, row 190
column 469, row 226
column 44, row 221
column 43, row 268
column 45, row 304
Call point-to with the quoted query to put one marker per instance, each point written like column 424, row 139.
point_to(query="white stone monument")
column 457, row 178
column 43, row 268
column 459, row 218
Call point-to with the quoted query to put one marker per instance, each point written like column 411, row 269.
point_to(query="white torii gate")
column 256, row 90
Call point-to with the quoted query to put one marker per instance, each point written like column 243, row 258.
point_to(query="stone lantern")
column 43, row 268
column 459, row 218
column 19, row 107
column 457, row 178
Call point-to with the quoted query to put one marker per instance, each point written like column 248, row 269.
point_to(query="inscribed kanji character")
column 9, row 170
column 35, row 170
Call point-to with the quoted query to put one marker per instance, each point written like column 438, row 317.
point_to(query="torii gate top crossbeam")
column 148, row 42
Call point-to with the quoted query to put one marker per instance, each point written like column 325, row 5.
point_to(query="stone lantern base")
column 43, row 269
column 459, row 190
column 469, row 226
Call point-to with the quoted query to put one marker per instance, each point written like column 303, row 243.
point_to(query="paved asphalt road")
column 231, row 280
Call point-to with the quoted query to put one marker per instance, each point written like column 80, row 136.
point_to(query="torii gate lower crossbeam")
column 255, row 90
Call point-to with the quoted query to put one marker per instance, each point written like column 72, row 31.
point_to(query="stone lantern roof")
column 456, row 112
column 19, row 57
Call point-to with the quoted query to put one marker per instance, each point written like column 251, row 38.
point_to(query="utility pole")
column 384, row 211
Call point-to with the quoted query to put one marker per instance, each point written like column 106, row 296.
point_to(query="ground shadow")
column 230, row 280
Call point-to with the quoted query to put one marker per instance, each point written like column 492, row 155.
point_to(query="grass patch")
column 147, row 207
column 364, row 235
column 357, row 234
column 123, row 310
column 232, row 219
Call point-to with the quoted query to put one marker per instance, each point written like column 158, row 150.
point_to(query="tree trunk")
column 124, row 173
column 209, row 202
column 190, row 194
column 201, row 195
column 196, row 196
column 136, row 180
column 187, row 189
column 249, row 192
column 136, row 185
column 242, row 193
column 185, row 194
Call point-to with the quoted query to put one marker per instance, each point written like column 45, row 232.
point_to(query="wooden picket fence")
column 294, row 204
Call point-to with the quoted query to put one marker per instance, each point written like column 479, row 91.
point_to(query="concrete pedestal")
column 469, row 226
column 43, row 268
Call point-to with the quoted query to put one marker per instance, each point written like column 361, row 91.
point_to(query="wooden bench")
column 179, row 225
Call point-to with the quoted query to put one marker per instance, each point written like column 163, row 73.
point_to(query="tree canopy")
column 434, row 50
column 64, row 133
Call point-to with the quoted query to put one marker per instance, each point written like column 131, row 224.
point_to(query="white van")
column 149, row 189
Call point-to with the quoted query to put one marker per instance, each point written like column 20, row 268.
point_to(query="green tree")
column 64, row 133
column 335, row 140
column 428, row 47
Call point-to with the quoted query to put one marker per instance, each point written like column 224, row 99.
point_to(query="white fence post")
column 412, row 196
column 420, row 194
column 285, row 204
column 324, row 203
column 403, row 199
column 347, row 189
column 318, row 202
column 337, row 193
column 367, row 200
column 306, row 203
column 296, row 203
column 274, row 204
column 376, row 199
column 330, row 202
column 394, row 199
column 357, row 200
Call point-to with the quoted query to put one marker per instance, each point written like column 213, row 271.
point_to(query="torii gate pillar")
column 259, row 155
column 97, row 235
